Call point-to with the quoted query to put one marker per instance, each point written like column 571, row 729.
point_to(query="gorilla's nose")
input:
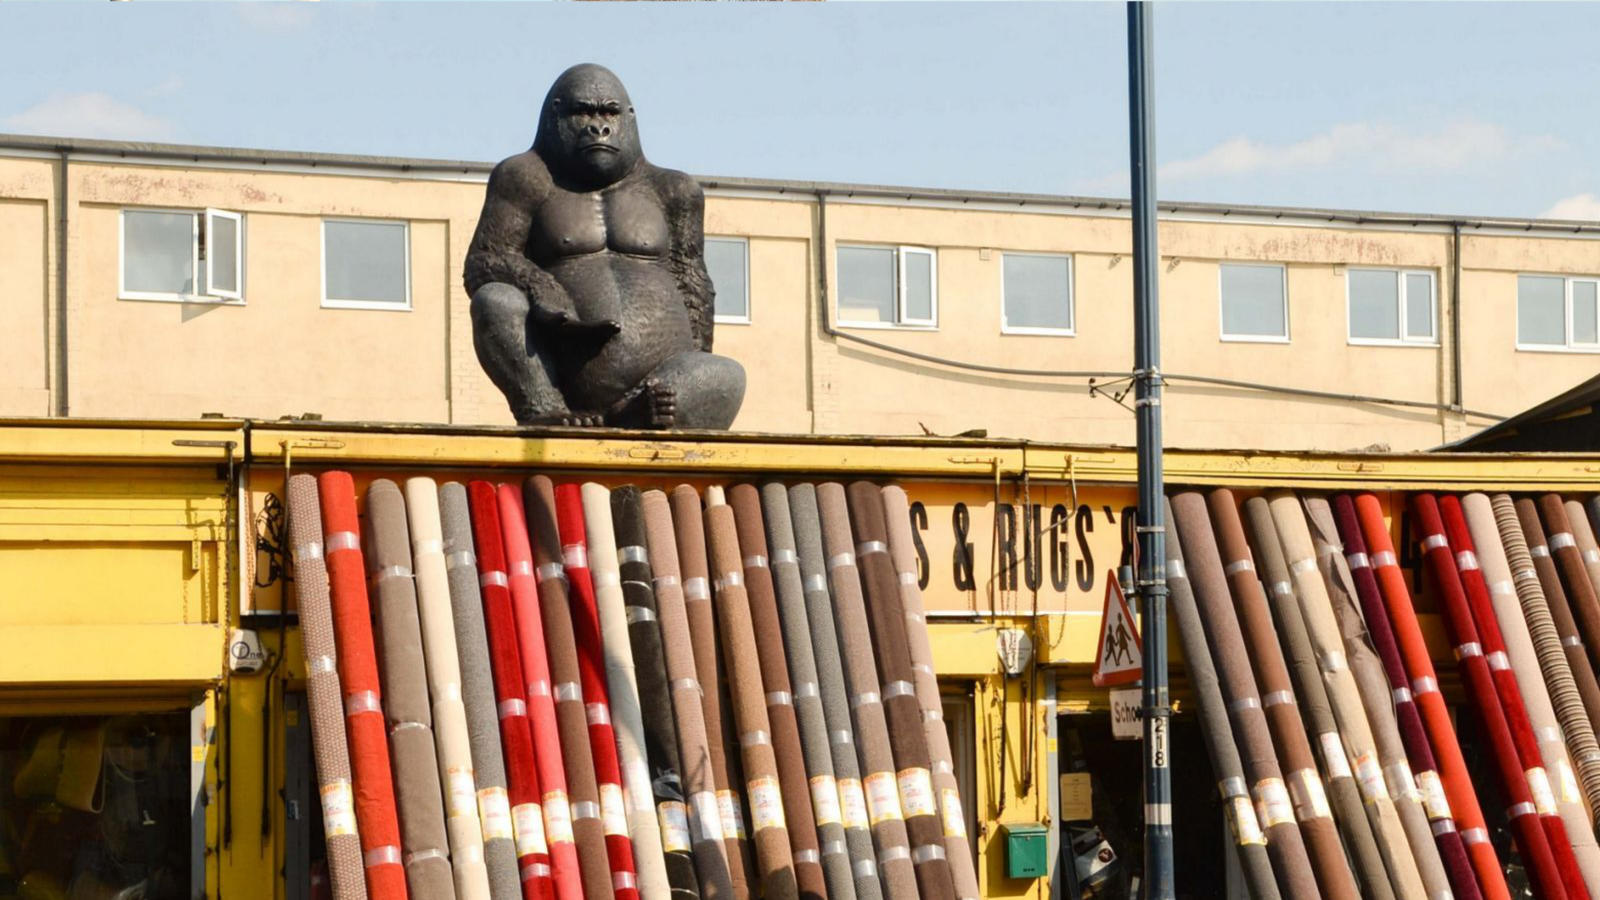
column 600, row 130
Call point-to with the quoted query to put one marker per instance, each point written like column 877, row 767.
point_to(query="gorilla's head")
column 587, row 130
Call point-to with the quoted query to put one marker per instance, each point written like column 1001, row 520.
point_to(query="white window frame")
column 1404, row 340
column 381, row 305
column 1254, row 338
column 1566, row 294
column 198, row 218
column 1072, row 298
column 211, row 257
column 735, row 320
column 901, row 321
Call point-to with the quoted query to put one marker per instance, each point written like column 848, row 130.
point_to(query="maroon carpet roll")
column 1574, row 575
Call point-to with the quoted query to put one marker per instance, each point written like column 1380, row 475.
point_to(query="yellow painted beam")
column 67, row 440
column 153, row 655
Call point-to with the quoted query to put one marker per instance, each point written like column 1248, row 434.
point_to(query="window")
column 187, row 256
column 887, row 286
column 1036, row 294
column 1255, row 305
column 366, row 264
column 1558, row 313
column 1390, row 306
column 728, row 261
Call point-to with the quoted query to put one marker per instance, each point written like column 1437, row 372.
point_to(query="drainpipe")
column 1455, row 317
column 59, row 395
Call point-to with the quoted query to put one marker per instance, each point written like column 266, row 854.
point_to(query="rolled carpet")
column 1249, row 841
column 314, row 601
column 376, row 820
column 1203, row 561
column 1532, row 841
column 1581, row 592
column 835, row 701
column 423, row 836
column 477, row 696
column 1555, row 596
column 572, row 722
column 1424, row 683
column 1561, row 677
column 808, row 712
column 736, row 628
column 882, row 796
column 451, row 743
column 622, row 689
column 690, row 533
column 506, row 558
column 1282, row 714
column 1316, row 606
column 957, row 845
column 1491, row 559
column 664, row 780
column 689, row 719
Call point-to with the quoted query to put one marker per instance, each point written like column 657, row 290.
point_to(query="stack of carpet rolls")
column 569, row 692
column 1341, row 770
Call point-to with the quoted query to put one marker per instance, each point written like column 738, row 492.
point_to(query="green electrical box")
column 1025, row 850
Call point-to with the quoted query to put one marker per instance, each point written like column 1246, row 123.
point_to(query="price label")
column 338, row 809
column 825, row 800
column 916, row 792
column 853, row 804
column 558, row 817
column 528, row 822
column 732, row 815
column 955, row 821
column 674, row 827
column 494, row 811
column 766, row 804
column 883, row 797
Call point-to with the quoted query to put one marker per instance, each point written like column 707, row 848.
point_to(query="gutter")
column 59, row 396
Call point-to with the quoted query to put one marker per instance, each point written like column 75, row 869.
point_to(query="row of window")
column 191, row 255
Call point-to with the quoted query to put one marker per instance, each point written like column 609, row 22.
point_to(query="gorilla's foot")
column 654, row 404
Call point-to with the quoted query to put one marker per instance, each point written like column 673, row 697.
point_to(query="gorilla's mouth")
column 597, row 146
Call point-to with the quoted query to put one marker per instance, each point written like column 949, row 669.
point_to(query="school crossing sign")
column 1119, row 656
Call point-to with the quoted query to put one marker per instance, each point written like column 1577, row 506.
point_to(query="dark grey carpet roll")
column 835, row 700
column 477, row 692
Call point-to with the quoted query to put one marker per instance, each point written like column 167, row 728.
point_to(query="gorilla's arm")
column 686, row 204
column 497, row 249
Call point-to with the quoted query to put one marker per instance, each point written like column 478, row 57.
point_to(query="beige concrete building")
column 153, row 281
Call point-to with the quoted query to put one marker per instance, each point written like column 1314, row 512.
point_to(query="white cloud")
column 268, row 16
column 169, row 85
column 1578, row 206
column 89, row 114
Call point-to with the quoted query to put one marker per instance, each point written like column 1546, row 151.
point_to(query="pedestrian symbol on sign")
column 1119, row 658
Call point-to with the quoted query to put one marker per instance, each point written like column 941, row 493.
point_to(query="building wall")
column 279, row 352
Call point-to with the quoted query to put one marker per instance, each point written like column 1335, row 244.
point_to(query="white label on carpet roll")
column 1544, row 799
column 674, row 827
column 883, row 797
column 916, row 792
column 460, row 793
column 613, row 810
column 1333, row 755
column 1434, row 802
column 558, row 817
column 338, row 809
column 494, row 810
column 955, row 821
column 1370, row 775
column 1566, row 781
column 766, row 804
column 1310, row 800
column 1246, row 828
column 527, row 821
column 853, row 804
column 1272, row 802
column 732, row 815
column 825, row 800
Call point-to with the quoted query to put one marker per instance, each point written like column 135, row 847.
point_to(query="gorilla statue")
column 591, row 304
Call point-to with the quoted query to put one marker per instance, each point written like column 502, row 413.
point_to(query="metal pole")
column 1150, row 535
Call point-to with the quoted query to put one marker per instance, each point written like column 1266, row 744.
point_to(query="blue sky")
column 1473, row 108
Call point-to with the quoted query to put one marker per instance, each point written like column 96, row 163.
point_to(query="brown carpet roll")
column 1574, row 574
column 1555, row 596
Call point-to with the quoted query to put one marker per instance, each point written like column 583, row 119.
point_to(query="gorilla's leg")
column 508, row 352
column 690, row 390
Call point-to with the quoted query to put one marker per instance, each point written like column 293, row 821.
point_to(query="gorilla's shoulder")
column 523, row 173
column 675, row 185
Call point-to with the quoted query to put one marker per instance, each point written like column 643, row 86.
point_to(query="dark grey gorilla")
column 590, row 299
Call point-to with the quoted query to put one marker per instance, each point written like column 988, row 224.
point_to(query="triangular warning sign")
column 1119, row 655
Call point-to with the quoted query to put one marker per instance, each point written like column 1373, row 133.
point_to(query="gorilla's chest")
column 624, row 219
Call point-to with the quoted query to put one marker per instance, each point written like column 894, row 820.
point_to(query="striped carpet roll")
column 314, row 601
column 1532, row 842
column 1312, row 697
column 902, row 710
column 376, row 819
column 1458, row 789
column 793, row 783
column 1413, row 735
column 1208, row 578
column 689, row 719
column 1316, row 607
column 451, row 742
column 622, row 690
column 881, row 793
column 541, row 818
column 1555, row 596
column 1574, row 573
column 1516, row 713
column 1250, row 843
column 1278, row 705
column 477, row 696
column 659, row 733
column 807, row 692
column 1524, row 659
column 957, row 845
column 418, row 794
column 572, row 722
column 835, row 701
column 737, row 630
column 690, row 535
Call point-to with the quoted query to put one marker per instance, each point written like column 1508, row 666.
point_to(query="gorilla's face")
column 590, row 123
